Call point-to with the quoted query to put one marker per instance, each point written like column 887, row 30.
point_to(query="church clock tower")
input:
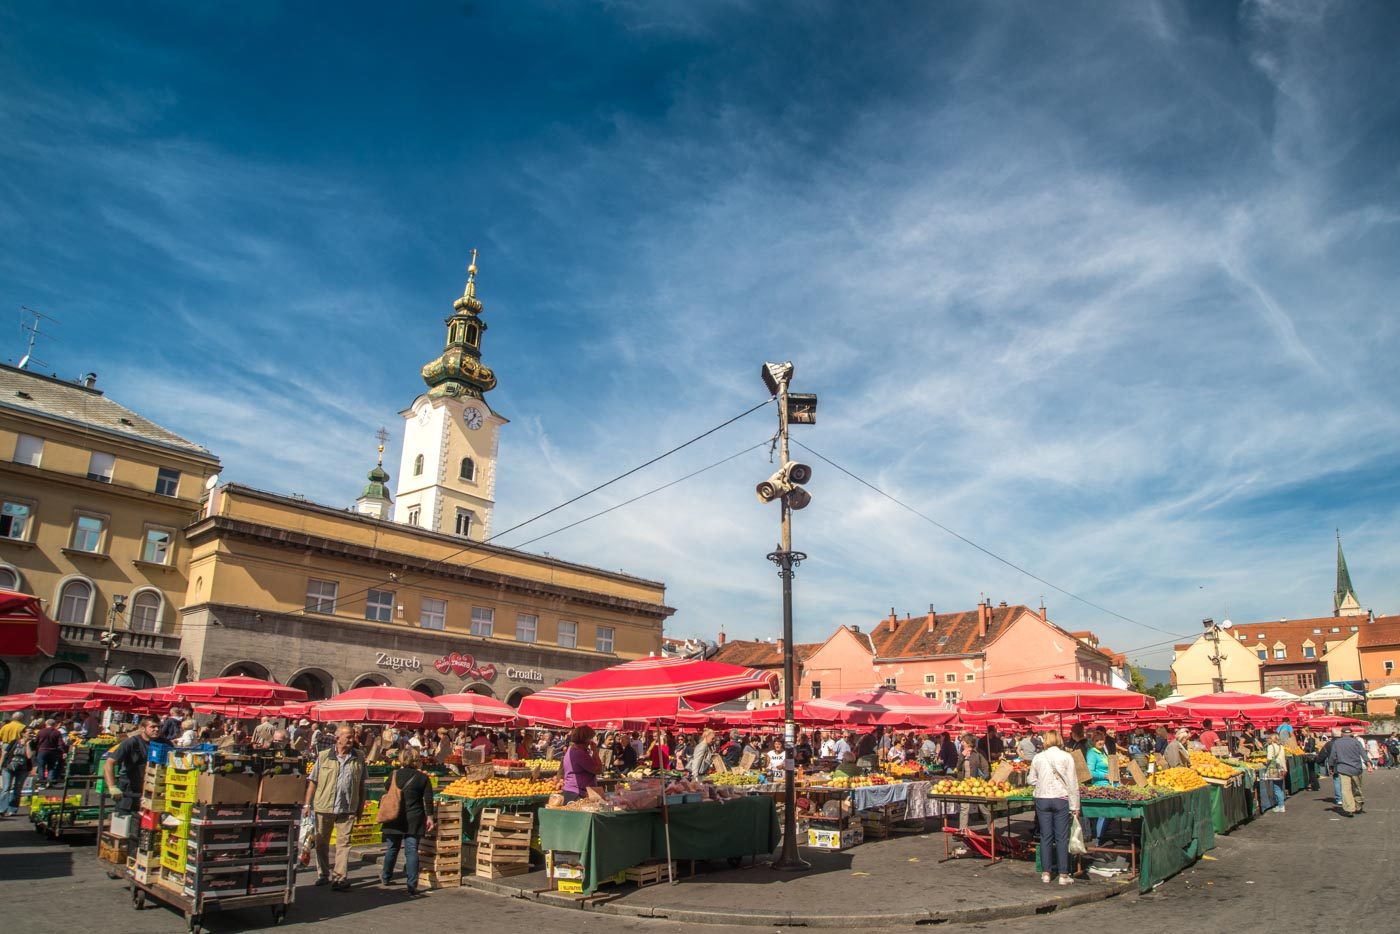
column 447, row 479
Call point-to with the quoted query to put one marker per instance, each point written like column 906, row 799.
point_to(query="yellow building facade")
column 325, row 599
column 95, row 500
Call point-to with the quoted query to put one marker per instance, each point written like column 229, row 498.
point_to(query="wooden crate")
column 504, row 820
column 112, row 848
column 648, row 874
column 486, row 870
column 435, row 879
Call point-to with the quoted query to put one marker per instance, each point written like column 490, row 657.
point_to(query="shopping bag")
column 306, row 839
column 392, row 803
column 1076, row 837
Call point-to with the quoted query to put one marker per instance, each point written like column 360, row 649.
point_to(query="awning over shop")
column 24, row 627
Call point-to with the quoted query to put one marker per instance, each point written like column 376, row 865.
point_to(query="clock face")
column 473, row 418
column 424, row 414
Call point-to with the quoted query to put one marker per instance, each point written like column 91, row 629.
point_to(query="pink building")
column 952, row 656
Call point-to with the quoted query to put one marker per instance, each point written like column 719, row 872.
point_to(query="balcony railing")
column 161, row 642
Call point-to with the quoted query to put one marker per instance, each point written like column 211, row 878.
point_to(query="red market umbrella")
column 242, row 711
column 478, row 708
column 1233, row 707
column 25, row 629
column 1058, row 697
column 240, row 688
column 1327, row 723
column 89, row 695
column 645, row 689
column 13, row 702
column 383, row 704
column 880, row 707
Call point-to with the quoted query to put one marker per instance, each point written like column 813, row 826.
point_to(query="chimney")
column 781, row 644
column 931, row 619
column 984, row 618
column 1002, row 604
column 1042, row 610
column 721, row 637
column 89, row 380
column 855, row 628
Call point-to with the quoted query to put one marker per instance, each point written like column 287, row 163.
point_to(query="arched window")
column 145, row 611
column 141, row 680
column 468, row 471
column 61, row 673
column 473, row 334
column 75, row 602
column 9, row 578
column 4, row 678
column 418, row 466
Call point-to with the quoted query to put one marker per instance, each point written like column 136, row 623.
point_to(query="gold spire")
column 383, row 435
column 471, row 277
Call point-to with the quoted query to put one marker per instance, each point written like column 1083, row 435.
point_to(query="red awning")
column 478, row 708
column 383, row 704
column 1234, row 707
column 645, row 689
column 24, row 627
column 881, row 707
column 1062, row 697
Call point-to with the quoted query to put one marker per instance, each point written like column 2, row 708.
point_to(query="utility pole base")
column 790, row 864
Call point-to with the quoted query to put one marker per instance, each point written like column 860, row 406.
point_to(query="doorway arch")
column 429, row 687
column 316, row 683
column 369, row 680
column 519, row 694
column 479, row 688
column 250, row 669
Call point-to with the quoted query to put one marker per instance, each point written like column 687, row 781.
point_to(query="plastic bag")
column 1076, row 838
column 307, row 839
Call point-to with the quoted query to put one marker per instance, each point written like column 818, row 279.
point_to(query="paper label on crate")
column 1002, row 772
column 1135, row 772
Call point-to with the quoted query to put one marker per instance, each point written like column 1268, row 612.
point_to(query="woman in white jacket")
column 1056, row 784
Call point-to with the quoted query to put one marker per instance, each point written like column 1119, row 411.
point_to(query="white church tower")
column 447, row 479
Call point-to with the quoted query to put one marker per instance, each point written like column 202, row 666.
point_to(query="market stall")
column 1172, row 831
column 607, row 843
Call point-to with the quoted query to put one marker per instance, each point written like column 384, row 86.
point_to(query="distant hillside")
column 1156, row 675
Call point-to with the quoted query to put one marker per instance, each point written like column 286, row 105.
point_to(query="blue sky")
column 1107, row 288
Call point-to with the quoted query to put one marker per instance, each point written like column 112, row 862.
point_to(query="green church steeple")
column 459, row 370
column 1344, row 602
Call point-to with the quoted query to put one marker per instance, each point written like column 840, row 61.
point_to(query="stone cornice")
column 398, row 562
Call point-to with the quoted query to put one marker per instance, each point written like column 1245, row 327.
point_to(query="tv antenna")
column 29, row 320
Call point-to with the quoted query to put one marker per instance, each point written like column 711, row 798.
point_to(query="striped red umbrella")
column 1059, row 697
column 645, row 689
column 85, row 695
column 880, row 707
column 383, row 704
column 13, row 702
column 1234, row 707
column 478, row 708
column 234, row 688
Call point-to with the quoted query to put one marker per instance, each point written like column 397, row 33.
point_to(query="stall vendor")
column 848, row 765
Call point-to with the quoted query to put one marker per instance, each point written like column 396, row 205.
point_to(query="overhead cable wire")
column 969, row 542
column 553, row 509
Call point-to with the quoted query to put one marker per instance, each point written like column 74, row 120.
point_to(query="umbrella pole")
column 666, row 821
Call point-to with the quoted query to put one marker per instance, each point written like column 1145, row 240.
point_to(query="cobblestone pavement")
column 1310, row 869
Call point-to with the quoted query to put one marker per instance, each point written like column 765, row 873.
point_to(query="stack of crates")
column 177, row 792
column 366, row 830
column 503, row 844
column 440, row 852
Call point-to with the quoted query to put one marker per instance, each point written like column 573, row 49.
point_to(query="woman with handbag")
column 1056, row 783
column 406, row 813
column 1275, row 769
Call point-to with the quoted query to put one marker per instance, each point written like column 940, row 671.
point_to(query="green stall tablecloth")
column 1229, row 806
column 608, row 843
column 1297, row 778
column 1175, row 830
column 472, row 808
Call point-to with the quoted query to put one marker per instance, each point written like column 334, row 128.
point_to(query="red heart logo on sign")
column 487, row 672
column 442, row 665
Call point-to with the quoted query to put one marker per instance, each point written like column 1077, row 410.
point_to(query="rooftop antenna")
column 29, row 326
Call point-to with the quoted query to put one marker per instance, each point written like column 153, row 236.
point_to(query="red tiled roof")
column 759, row 654
column 1294, row 632
column 953, row 633
column 1382, row 633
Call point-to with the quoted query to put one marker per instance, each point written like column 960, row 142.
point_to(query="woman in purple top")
column 581, row 764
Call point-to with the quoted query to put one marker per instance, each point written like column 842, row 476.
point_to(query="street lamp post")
column 111, row 638
column 786, row 486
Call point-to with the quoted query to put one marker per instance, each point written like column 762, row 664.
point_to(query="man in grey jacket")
column 1348, row 758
